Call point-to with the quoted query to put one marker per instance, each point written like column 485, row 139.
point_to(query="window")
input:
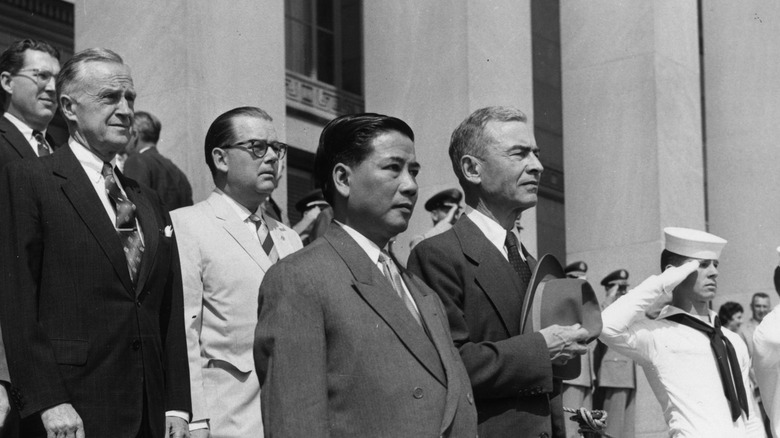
column 324, row 56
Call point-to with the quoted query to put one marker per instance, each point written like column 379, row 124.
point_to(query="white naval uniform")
column 678, row 362
column 766, row 363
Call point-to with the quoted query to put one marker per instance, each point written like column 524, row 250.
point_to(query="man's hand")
column 176, row 427
column 565, row 342
column 62, row 421
column 673, row 276
column 5, row 407
column 200, row 433
column 452, row 214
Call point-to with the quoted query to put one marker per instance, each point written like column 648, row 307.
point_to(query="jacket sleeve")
column 290, row 355
column 516, row 366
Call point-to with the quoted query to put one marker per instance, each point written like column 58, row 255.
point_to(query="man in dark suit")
column 147, row 166
column 348, row 343
column 28, row 100
column 481, row 274
column 90, row 286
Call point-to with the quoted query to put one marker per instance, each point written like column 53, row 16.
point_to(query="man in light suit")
column 90, row 287
column 223, row 262
column 348, row 343
column 481, row 274
column 28, row 101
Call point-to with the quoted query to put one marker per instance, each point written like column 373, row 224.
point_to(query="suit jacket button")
column 136, row 345
column 138, row 303
column 418, row 392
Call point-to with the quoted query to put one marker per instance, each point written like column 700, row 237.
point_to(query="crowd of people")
column 127, row 311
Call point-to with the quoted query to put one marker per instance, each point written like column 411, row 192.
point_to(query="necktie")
column 266, row 240
column 513, row 253
column 125, row 222
column 43, row 146
column 392, row 274
column 726, row 357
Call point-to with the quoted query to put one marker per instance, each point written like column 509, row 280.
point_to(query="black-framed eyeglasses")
column 259, row 148
column 40, row 76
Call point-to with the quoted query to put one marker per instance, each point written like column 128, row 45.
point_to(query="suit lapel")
column 149, row 229
column 227, row 217
column 16, row 139
column 81, row 194
column 493, row 274
column 377, row 291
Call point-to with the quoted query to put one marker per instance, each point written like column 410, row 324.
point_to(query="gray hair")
column 71, row 71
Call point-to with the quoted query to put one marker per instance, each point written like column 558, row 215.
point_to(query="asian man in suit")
column 90, row 287
column 226, row 245
column 348, row 343
column 481, row 273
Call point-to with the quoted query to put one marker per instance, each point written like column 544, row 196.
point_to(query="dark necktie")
column 43, row 146
column 726, row 357
column 391, row 272
column 125, row 222
column 264, row 235
column 517, row 262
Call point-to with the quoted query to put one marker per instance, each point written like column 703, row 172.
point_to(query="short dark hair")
column 147, row 127
column 347, row 140
column 71, row 70
column 728, row 310
column 221, row 133
column 12, row 59
column 759, row 295
column 672, row 258
column 469, row 137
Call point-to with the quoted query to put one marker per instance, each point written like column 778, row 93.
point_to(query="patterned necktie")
column 726, row 358
column 392, row 274
column 43, row 146
column 125, row 222
column 517, row 262
column 265, row 238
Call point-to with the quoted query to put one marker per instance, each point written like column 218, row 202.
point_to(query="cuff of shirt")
column 200, row 424
column 180, row 414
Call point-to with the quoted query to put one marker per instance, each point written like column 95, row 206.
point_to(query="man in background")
column 146, row 165
column 445, row 209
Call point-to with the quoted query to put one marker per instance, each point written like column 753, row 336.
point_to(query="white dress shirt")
column 243, row 213
column 492, row 230
column 678, row 362
column 26, row 131
column 766, row 363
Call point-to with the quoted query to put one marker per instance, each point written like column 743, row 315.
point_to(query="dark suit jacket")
column 153, row 170
column 338, row 353
column 510, row 371
column 76, row 328
column 13, row 145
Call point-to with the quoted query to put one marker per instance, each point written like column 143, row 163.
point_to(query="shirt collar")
column 26, row 131
column 371, row 248
column 91, row 163
column 242, row 212
column 494, row 232
column 670, row 310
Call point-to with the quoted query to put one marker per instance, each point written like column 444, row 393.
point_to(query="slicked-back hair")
column 71, row 74
column 147, row 127
column 728, row 310
column 12, row 59
column 347, row 140
column 221, row 132
column 469, row 138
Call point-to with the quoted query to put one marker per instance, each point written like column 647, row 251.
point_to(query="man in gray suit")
column 227, row 245
column 348, row 343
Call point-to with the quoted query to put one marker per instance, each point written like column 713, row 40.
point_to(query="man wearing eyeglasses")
column 226, row 245
column 615, row 373
column 27, row 72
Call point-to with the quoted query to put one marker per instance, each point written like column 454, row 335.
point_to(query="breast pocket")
column 70, row 351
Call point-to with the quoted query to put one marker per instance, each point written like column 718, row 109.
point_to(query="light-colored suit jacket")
column 223, row 265
column 340, row 355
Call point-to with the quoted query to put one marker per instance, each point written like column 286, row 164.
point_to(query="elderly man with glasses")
column 226, row 245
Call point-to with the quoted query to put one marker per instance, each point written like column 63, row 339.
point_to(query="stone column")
column 632, row 140
column 741, row 66
column 432, row 64
column 192, row 61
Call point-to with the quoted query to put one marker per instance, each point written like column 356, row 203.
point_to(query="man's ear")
column 67, row 107
column 220, row 159
column 5, row 81
column 341, row 175
column 471, row 167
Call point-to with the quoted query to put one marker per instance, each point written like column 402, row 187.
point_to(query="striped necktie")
column 125, row 222
column 264, row 234
column 513, row 254
column 392, row 274
column 43, row 146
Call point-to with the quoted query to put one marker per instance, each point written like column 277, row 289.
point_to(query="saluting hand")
column 673, row 276
column 565, row 342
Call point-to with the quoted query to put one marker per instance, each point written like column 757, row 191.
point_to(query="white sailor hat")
column 693, row 243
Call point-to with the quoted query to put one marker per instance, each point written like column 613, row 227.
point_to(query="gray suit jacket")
column 338, row 353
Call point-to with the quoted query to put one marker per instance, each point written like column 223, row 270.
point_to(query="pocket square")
column 168, row 232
